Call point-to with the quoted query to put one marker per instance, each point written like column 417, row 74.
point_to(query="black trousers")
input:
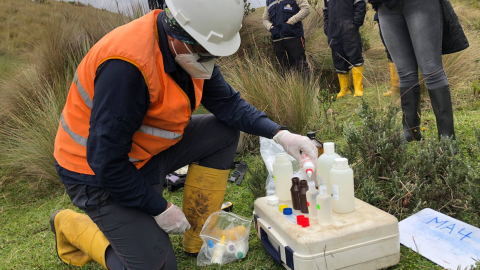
column 346, row 45
column 291, row 54
column 136, row 241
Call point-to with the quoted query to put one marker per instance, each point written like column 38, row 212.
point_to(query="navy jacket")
column 122, row 94
column 280, row 12
column 338, row 13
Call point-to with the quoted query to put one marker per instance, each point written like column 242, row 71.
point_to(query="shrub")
column 403, row 178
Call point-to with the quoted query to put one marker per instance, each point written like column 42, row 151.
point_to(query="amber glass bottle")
column 311, row 135
column 303, row 196
column 295, row 191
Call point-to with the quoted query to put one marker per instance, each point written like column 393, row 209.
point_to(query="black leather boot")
column 410, row 97
column 442, row 107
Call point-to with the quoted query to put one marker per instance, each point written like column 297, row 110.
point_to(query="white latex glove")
column 294, row 143
column 172, row 220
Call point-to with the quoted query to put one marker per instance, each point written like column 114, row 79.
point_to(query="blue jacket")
column 280, row 11
column 339, row 14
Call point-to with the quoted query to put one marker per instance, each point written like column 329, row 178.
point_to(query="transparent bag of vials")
column 225, row 239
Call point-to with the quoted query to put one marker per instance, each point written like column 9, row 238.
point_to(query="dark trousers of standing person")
column 136, row 241
column 413, row 33
column 290, row 52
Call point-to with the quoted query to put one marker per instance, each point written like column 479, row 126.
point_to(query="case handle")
column 275, row 254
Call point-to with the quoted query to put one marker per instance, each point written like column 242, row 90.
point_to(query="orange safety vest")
column 166, row 118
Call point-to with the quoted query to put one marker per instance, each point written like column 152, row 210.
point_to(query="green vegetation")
column 42, row 42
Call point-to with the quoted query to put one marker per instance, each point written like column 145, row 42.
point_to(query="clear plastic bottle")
column 343, row 192
column 324, row 207
column 312, row 194
column 282, row 175
column 324, row 165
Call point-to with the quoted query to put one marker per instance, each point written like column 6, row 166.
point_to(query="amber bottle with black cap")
column 312, row 136
column 303, row 196
column 295, row 191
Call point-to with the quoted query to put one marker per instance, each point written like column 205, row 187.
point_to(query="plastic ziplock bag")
column 269, row 150
column 225, row 239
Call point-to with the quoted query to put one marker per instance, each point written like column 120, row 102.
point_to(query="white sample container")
column 324, row 165
column 365, row 239
column 324, row 207
column 218, row 252
column 307, row 166
column 343, row 192
column 312, row 194
column 282, row 175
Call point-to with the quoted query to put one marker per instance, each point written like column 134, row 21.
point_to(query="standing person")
column 394, row 80
column 341, row 22
column 416, row 34
column 128, row 122
column 283, row 18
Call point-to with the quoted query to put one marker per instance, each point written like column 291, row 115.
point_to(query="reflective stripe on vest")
column 159, row 133
column 82, row 92
column 77, row 138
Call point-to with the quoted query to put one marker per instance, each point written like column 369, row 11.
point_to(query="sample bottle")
column 307, row 165
column 324, row 165
column 312, row 136
column 210, row 249
column 312, row 194
column 282, row 173
column 303, row 196
column 341, row 177
column 217, row 256
column 324, row 207
column 295, row 192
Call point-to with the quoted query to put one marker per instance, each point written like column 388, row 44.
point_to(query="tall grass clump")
column 288, row 98
column 37, row 94
column 403, row 178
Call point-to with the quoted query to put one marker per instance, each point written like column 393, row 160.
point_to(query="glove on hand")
column 172, row 220
column 294, row 143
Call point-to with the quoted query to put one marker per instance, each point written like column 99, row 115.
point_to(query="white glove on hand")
column 294, row 143
column 172, row 220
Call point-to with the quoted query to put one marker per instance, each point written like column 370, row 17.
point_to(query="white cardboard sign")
column 444, row 240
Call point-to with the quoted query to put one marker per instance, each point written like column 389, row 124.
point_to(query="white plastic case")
column 366, row 239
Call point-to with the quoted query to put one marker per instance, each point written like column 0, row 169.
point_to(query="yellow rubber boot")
column 204, row 192
column 394, row 81
column 344, row 80
column 357, row 74
column 78, row 238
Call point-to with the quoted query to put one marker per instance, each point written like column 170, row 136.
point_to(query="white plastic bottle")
column 324, row 207
column 307, row 165
column 324, row 165
column 312, row 194
column 219, row 251
column 282, row 175
column 343, row 194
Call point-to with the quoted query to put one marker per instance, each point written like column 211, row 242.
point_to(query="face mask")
column 189, row 62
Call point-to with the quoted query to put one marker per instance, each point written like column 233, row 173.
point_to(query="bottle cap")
column 311, row 135
column 210, row 244
column 281, row 207
column 309, row 172
column 311, row 184
column 295, row 180
column 329, row 148
column 287, row 211
column 272, row 200
column 305, row 222
column 281, row 158
column 341, row 162
column 239, row 254
column 323, row 189
column 299, row 219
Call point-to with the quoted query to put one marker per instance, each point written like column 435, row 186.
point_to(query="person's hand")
column 294, row 143
column 271, row 27
column 288, row 22
column 172, row 220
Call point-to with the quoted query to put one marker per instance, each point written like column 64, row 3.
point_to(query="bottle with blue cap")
column 210, row 249
column 287, row 211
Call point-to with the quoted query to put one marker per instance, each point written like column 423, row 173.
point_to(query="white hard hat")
column 214, row 24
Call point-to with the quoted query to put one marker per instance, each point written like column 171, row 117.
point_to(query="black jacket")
column 340, row 12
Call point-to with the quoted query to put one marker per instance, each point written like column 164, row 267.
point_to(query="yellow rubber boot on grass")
column 204, row 193
column 344, row 80
column 394, row 81
column 78, row 238
column 357, row 74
